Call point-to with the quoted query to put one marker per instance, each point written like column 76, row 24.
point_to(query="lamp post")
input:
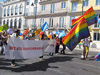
column 82, row 5
column 35, row 13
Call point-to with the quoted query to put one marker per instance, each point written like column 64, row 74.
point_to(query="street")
column 67, row 64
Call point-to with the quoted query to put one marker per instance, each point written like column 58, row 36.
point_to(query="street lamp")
column 35, row 13
column 82, row 5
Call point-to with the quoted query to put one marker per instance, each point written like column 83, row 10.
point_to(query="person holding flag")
column 17, row 36
column 64, row 46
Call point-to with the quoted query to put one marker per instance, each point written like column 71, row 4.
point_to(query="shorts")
column 86, row 49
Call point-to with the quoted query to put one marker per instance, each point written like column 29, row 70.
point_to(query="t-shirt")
column 87, row 43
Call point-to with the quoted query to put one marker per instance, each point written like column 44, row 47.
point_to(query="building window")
column 20, row 9
column 26, row 22
column 72, row 17
column 41, row 22
column 28, row 1
column 3, row 22
column 27, row 10
column 51, row 22
column 16, row 10
column 8, row 23
column 11, row 23
column 43, row 8
column 34, row 23
column 52, row 8
column 96, row 37
column 96, row 25
column 8, row 11
column 61, row 22
column 97, row 2
column 35, row 1
column 63, row 5
column 20, row 23
column 15, row 24
column 74, row 6
column 5, row 12
column 12, row 11
column 85, row 3
column 35, row 10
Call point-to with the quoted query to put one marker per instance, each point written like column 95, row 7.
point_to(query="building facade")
column 1, row 8
column 54, row 12
column 13, row 14
column 76, row 11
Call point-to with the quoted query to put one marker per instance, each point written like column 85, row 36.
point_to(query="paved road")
column 68, row 64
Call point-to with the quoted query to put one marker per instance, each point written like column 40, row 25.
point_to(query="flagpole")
column 82, row 6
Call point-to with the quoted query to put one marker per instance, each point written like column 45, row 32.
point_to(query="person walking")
column 64, row 47
column 86, row 46
column 57, row 45
column 83, row 54
column 43, row 35
column 17, row 36
column 4, row 37
column 54, row 38
column 1, row 43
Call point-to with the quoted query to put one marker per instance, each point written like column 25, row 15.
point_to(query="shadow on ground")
column 41, row 65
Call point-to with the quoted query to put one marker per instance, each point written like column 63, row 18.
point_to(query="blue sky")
column 3, row 0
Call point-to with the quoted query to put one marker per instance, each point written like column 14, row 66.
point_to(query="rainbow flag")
column 78, row 32
column 89, row 16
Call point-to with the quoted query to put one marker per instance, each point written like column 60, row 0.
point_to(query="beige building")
column 54, row 12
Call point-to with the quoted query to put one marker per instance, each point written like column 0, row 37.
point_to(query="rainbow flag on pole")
column 78, row 32
column 89, row 16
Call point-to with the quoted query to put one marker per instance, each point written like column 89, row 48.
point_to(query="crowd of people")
column 4, row 36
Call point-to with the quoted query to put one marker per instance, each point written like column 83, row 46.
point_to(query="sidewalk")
column 90, row 49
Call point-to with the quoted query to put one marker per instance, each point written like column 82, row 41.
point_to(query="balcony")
column 31, row 14
column 59, row 11
column 49, row 1
column 11, row 2
column 74, row 0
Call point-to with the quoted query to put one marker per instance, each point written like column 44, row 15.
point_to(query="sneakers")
column 62, row 52
column 41, row 58
column 13, row 65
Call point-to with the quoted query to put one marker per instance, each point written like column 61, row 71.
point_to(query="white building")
column 1, row 8
column 13, row 14
column 54, row 12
